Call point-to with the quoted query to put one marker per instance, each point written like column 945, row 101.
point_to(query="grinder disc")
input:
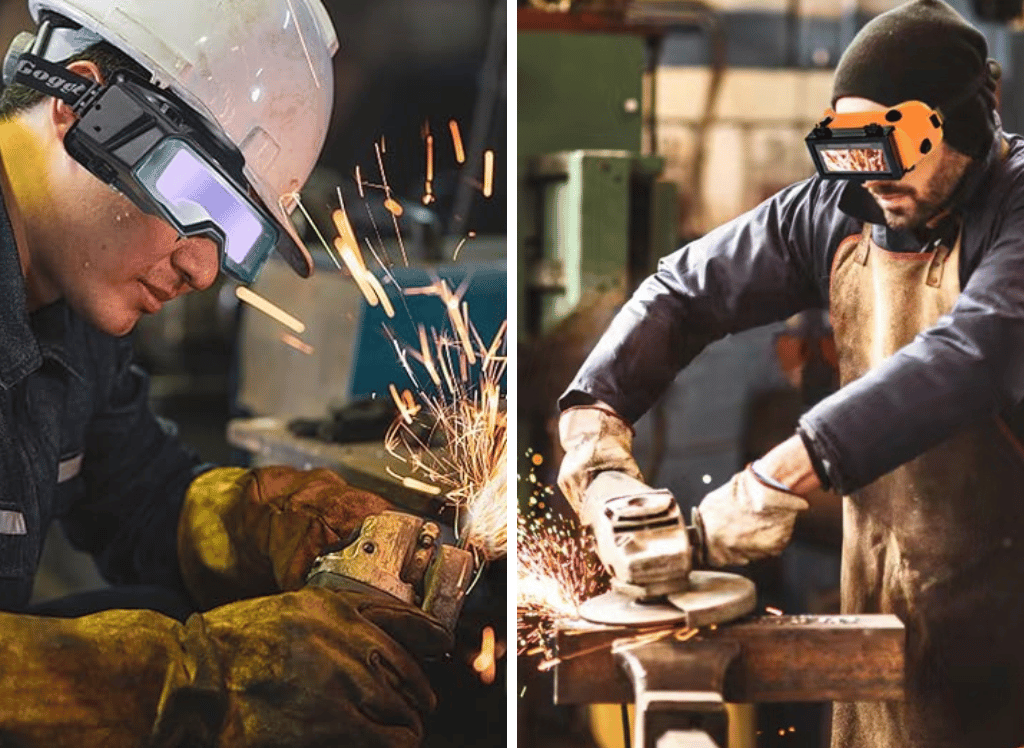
column 713, row 597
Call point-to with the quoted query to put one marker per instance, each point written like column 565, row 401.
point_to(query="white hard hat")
column 259, row 69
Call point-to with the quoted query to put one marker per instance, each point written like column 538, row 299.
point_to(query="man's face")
column 916, row 198
column 127, row 263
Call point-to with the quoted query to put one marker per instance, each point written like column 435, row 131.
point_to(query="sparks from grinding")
column 557, row 570
column 420, row 486
column 270, row 309
column 428, row 360
column 359, row 183
column 349, row 256
column 460, row 153
column 467, row 416
column 347, row 247
column 388, row 196
column 488, row 173
column 485, row 663
column 373, row 220
column 428, row 184
column 316, row 230
column 466, row 410
column 301, row 346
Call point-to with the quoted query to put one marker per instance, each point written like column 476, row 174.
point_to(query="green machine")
column 593, row 216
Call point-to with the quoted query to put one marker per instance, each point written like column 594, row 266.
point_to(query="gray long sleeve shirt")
column 775, row 261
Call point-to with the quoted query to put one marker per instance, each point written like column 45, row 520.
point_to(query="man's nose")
column 197, row 259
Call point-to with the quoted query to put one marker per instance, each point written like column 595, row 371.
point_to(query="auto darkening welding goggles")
column 883, row 144
column 150, row 146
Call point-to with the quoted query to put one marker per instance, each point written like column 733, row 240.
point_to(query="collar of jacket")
column 857, row 202
column 24, row 338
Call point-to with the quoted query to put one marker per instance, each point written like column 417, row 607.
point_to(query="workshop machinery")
column 679, row 642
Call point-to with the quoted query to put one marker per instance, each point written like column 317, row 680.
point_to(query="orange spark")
column 348, row 249
column 488, row 173
column 428, row 360
column 299, row 345
column 484, row 662
column 420, row 486
column 393, row 206
column 430, row 159
column 344, row 226
column 460, row 154
column 385, row 302
column 403, row 409
column 271, row 310
column 428, row 185
column 354, row 262
column 470, row 467
column 492, row 352
column 387, row 193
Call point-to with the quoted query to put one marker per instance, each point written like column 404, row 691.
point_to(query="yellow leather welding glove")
column 746, row 520
column 306, row 668
column 244, row 533
column 595, row 438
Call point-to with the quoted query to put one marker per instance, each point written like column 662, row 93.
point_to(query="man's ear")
column 60, row 111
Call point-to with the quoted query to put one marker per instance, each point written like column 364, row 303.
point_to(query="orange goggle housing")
column 883, row 144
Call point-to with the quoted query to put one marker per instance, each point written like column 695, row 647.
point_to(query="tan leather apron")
column 940, row 540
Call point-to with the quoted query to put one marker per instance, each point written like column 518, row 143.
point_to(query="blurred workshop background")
column 240, row 394
column 642, row 124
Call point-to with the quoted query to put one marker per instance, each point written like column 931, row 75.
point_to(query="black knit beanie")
column 924, row 50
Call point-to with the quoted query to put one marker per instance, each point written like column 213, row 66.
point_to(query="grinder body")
column 399, row 554
column 649, row 551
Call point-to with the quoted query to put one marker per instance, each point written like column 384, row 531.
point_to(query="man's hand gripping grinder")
column 649, row 552
column 400, row 555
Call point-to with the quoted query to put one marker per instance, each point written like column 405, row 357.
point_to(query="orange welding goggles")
column 883, row 144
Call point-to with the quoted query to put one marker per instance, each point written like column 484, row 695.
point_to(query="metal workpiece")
column 678, row 685
column 400, row 554
column 781, row 658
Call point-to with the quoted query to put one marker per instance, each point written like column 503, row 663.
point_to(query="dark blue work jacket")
column 776, row 260
column 79, row 444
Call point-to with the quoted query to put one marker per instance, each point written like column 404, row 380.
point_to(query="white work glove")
column 595, row 439
column 746, row 520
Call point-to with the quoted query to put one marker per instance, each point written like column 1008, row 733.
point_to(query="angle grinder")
column 401, row 555
column 649, row 552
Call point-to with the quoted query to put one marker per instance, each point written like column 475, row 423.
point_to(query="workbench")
column 757, row 659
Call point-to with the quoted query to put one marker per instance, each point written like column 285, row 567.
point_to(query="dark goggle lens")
column 199, row 200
